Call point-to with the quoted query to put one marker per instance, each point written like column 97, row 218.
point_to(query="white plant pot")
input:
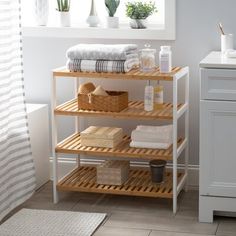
column 41, row 11
column 138, row 23
column 64, row 18
column 112, row 22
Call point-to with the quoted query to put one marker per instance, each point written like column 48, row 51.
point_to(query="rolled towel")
column 100, row 91
column 152, row 137
column 101, row 51
column 137, row 144
column 102, row 65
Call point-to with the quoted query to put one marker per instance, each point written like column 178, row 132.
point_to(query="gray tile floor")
column 136, row 216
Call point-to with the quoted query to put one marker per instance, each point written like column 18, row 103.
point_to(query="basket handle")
column 90, row 98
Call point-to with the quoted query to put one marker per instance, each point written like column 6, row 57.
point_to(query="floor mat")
column 29, row 222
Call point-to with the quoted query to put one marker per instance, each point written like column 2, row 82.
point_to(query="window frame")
column 166, row 33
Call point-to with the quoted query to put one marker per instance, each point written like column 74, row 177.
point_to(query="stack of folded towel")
column 102, row 57
column 159, row 137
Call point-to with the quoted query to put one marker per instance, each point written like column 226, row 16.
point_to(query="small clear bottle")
column 158, row 96
column 165, row 59
column 148, row 97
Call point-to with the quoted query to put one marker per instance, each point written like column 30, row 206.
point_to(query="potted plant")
column 138, row 13
column 111, row 6
column 63, row 7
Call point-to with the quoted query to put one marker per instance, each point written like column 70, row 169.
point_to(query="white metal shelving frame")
column 181, row 74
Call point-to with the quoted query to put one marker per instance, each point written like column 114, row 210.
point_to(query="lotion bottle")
column 158, row 96
column 165, row 59
column 148, row 97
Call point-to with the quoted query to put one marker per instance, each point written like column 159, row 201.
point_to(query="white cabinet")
column 218, row 148
column 217, row 138
column 39, row 138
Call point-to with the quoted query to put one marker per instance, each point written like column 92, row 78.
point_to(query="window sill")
column 98, row 33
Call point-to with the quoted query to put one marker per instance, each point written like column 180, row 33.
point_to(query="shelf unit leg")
column 175, row 131
column 55, row 180
column 77, row 120
column 54, row 140
column 186, row 154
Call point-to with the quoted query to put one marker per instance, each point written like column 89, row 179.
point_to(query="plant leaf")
column 111, row 6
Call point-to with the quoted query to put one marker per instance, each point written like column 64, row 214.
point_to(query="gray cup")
column 157, row 170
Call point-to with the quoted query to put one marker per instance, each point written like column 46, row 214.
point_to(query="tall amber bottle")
column 158, row 96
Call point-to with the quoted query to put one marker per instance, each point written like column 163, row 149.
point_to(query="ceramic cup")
column 227, row 42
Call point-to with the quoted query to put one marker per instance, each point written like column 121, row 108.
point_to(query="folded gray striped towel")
column 113, row 52
column 102, row 65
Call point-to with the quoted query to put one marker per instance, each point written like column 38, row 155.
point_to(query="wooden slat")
column 134, row 74
column 135, row 110
column 72, row 145
column 139, row 183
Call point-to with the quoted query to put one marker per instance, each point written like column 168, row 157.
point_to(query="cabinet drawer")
column 219, row 84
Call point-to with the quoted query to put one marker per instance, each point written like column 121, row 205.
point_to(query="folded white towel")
column 101, row 51
column 156, row 129
column 155, row 134
column 152, row 137
column 150, row 145
column 102, row 65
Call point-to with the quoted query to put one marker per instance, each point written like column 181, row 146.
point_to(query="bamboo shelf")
column 134, row 110
column 83, row 179
column 72, row 145
column 134, row 74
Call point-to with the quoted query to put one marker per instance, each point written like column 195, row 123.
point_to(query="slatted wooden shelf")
column 134, row 110
column 134, row 74
column 139, row 183
column 72, row 145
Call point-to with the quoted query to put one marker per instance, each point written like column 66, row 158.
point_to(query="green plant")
column 111, row 6
column 63, row 5
column 139, row 10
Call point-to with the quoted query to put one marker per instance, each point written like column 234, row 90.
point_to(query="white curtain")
column 17, row 173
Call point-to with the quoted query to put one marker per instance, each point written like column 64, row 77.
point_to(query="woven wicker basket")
column 115, row 102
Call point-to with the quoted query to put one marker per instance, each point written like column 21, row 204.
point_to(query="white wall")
column 197, row 34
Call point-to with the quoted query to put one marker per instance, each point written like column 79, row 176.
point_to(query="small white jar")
column 165, row 59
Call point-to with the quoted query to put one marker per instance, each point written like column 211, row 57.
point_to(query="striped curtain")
column 17, row 173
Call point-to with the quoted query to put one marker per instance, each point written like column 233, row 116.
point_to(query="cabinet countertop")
column 217, row 60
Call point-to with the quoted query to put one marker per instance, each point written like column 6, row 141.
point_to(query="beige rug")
column 29, row 222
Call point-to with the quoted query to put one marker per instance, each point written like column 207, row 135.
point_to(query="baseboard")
column 67, row 164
